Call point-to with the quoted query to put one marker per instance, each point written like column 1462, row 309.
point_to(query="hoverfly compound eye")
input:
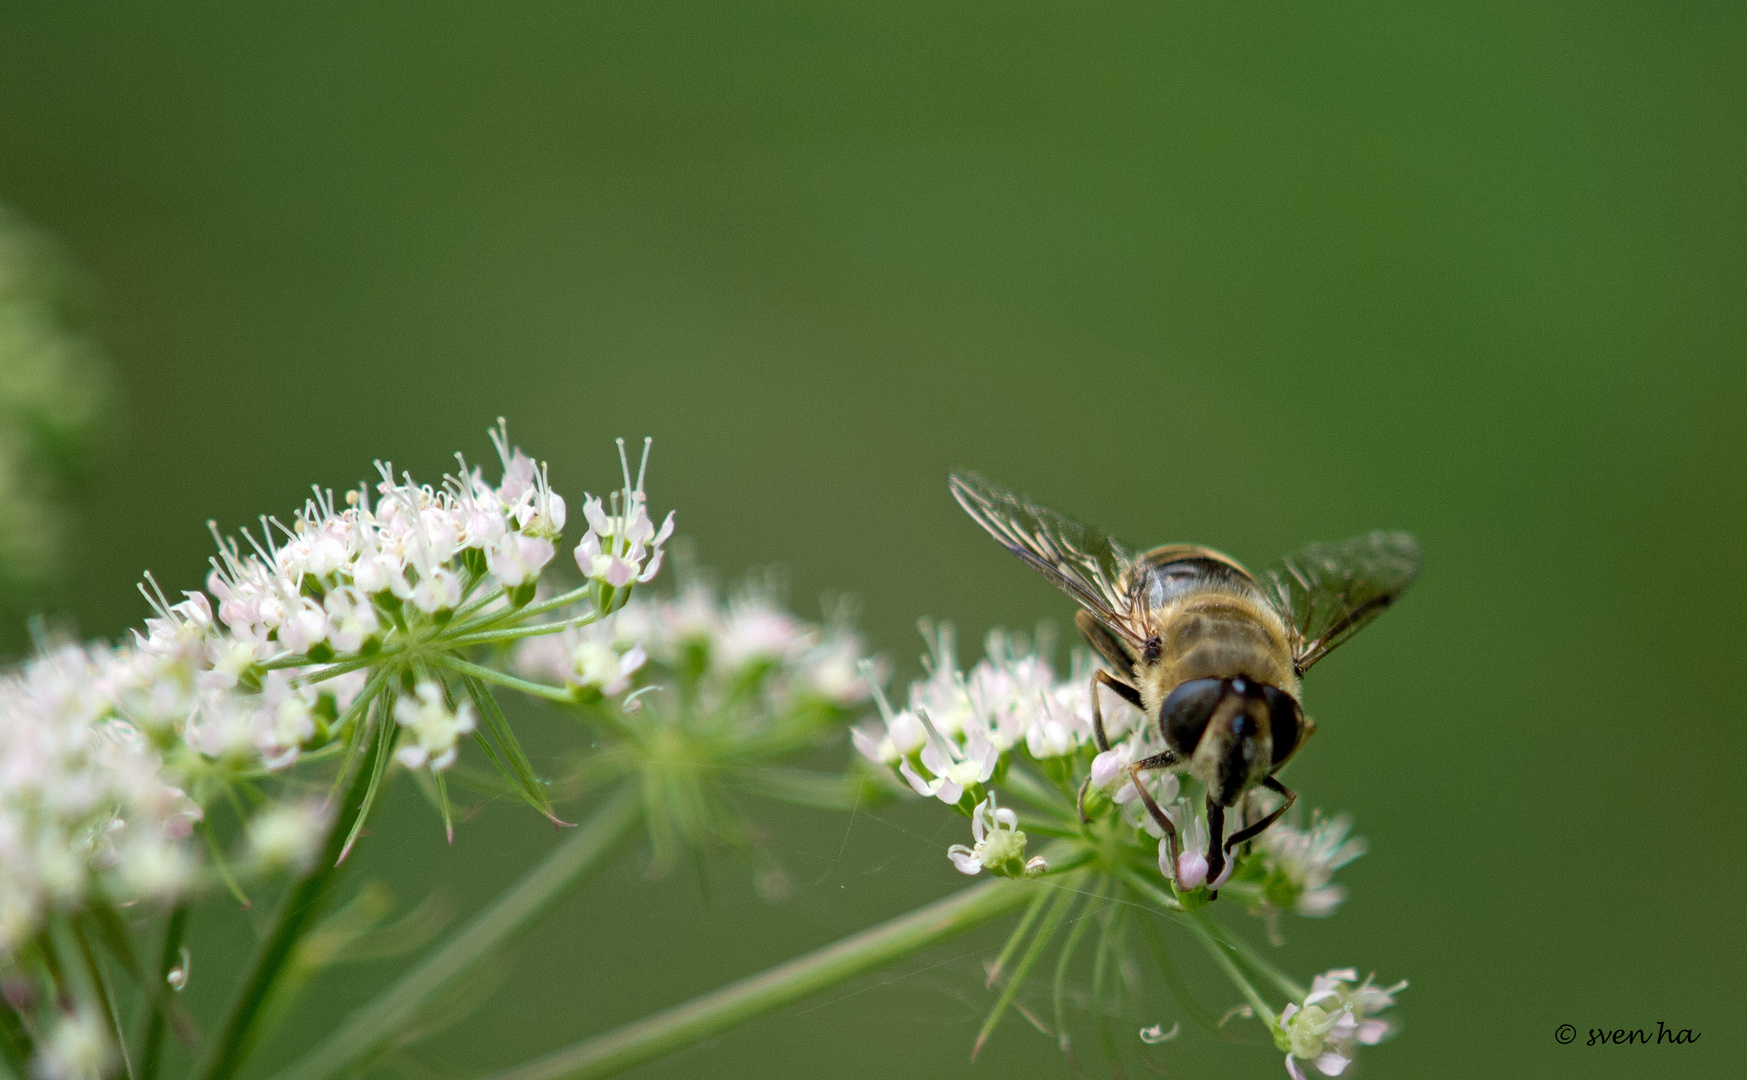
column 1282, row 722
column 1185, row 713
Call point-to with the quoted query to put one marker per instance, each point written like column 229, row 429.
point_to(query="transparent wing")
column 1326, row 592
column 1084, row 564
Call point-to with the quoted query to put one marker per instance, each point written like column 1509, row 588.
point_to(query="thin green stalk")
column 526, row 612
column 550, row 693
column 1254, row 959
column 1059, row 996
column 1017, row 937
column 515, row 633
column 465, row 611
column 737, row 1003
column 100, row 981
column 1174, row 982
column 301, row 907
column 157, row 991
column 518, row 908
column 1058, row 910
column 1222, row 957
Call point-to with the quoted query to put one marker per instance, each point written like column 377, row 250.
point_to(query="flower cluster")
column 697, row 696
column 957, row 725
column 334, row 579
column 719, row 650
column 87, row 806
column 1335, row 1018
column 108, row 754
column 1295, row 865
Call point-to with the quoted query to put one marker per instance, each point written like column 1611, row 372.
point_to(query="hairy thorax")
column 1219, row 634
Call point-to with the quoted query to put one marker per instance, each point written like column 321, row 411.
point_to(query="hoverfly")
column 1210, row 651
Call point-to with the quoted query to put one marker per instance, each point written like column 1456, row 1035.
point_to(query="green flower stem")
column 158, row 991
column 1292, row 990
column 1222, row 956
column 526, row 612
column 368, row 1029
column 516, row 633
column 1220, row 944
column 737, row 1003
column 541, row 690
column 301, row 907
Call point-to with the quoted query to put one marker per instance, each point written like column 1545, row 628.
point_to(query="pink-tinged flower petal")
column 965, row 859
column 1288, row 1012
column 619, row 572
column 653, row 568
column 1107, row 765
column 1292, row 1069
column 1371, row 1032
column 1332, row 1064
column 867, row 744
column 1191, row 870
column 921, row 786
column 949, row 792
column 1224, row 875
column 666, row 530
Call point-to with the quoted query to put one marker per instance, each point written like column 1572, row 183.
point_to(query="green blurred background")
column 1246, row 277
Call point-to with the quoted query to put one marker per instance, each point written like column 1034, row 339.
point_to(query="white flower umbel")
column 434, row 726
column 87, row 806
column 1000, row 846
column 1335, row 1018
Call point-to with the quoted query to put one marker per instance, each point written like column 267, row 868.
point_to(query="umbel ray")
column 1214, row 654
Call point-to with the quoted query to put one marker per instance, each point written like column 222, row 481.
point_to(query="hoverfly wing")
column 1326, row 592
column 1086, row 565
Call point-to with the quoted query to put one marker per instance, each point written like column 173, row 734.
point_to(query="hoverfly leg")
column 1215, row 850
column 1157, row 761
column 1256, row 830
column 1123, row 690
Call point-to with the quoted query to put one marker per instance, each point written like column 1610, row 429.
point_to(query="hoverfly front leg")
column 1124, row 691
column 1215, row 850
column 1157, row 761
column 1256, row 830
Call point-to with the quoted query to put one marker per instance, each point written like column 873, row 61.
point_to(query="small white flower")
column 1335, row 1018
column 952, row 767
column 903, row 734
column 518, row 557
column 433, row 726
column 289, row 835
column 622, row 545
column 1000, row 846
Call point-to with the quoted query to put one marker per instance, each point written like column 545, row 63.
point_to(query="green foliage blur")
column 1245, row 275
column 54, row 386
